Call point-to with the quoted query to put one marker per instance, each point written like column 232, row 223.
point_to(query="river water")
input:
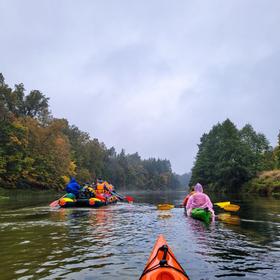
column 114, row 242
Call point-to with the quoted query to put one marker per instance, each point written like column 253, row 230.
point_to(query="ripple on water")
column 115, row 242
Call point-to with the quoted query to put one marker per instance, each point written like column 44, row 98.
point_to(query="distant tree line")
column 227, row 157
column 184, row 179
column 40, row 151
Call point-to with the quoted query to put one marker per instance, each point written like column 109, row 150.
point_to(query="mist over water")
column 114, row 242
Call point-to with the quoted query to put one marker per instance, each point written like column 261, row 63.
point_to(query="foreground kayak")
column 162, row 264
column 201, row 214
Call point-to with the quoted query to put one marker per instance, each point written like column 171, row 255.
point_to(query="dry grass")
column 275, row 174
column 267, row 182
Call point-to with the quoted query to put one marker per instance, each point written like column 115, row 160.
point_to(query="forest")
column 234, row 160
column 40, row 151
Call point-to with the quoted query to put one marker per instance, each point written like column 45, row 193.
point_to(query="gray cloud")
column 148, row 76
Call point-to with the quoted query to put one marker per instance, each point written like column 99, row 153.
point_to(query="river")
column 114, row 242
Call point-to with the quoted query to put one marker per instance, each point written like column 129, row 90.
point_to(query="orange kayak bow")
column 162, row 264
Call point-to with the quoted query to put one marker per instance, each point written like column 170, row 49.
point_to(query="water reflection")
column 115, row 241
column 228, row 218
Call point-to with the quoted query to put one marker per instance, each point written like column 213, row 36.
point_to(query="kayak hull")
column 92, row 202
column 162, row 264
column 201, row 214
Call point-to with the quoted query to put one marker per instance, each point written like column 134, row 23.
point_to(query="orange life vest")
column 100, row 188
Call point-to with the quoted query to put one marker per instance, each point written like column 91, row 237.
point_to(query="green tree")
column 13, row 142
column 36, row 105
column 227, row 158
column 257, row 149
column 277, row 154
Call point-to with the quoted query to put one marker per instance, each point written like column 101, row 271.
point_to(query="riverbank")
column 267, row 183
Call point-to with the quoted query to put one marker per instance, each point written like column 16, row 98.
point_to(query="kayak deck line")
column 162, row 264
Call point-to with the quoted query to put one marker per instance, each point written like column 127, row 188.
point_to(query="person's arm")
column 189, row 205
column 209, row 205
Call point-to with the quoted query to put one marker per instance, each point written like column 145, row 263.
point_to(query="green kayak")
column 201, row 214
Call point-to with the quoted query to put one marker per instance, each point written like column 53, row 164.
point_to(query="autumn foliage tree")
column 40, row 151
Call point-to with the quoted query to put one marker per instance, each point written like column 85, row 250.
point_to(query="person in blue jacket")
column 73, row 187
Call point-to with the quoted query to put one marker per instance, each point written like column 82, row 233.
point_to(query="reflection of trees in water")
column 87, row 233
column 36, row 246
column 260, row 219
column 221, row 245
column 245, row 248
column 160, row 197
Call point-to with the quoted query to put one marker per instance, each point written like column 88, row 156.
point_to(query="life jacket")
column 87, row 191
column 90, row 189
column 100, row 188
column 107, row 188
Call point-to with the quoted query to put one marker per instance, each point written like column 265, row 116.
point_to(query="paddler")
column 199, row 200
column 73, row 187
column 87, row 191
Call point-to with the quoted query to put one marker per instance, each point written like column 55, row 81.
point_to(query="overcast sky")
column 148, row 76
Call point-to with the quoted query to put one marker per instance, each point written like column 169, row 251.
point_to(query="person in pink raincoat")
column 199, row 200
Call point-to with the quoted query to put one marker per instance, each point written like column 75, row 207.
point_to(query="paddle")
column 129, row 199
column 226, row 205
column 121, row 197
column 222, row 204
column 55, row 203
column 232, row 208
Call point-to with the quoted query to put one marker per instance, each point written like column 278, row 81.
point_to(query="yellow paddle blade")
column 222, row 204
column 231, row 207
column 165, row 206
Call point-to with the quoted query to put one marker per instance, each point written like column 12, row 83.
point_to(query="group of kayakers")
column 197, row 199
column 99, row 189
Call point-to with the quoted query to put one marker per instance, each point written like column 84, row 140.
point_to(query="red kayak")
column 162, row 264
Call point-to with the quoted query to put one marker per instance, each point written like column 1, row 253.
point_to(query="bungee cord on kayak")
column 162, row 264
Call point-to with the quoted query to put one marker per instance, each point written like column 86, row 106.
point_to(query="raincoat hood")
column 198, row 188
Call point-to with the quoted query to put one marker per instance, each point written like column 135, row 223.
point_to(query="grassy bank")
column 266, row 183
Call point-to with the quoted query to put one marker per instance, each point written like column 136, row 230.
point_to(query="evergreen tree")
column 227, row 158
